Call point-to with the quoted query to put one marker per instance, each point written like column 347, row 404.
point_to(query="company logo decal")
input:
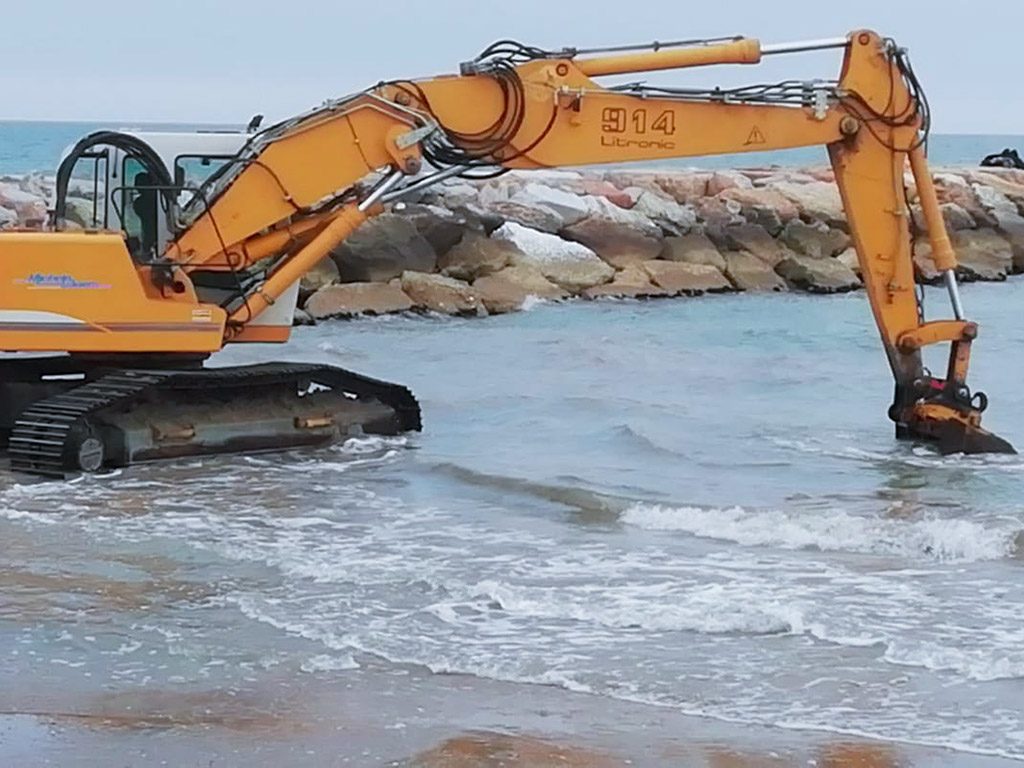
column 62, row 282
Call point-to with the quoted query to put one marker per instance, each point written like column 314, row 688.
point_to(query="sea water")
column 694, row 506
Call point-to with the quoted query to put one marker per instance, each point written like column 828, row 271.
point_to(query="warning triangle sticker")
column 755, row 137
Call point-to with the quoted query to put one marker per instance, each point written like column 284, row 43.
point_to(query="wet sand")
column 407, row 716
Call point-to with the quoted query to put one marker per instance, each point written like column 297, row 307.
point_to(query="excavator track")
column 45, row 433
column 127, row 416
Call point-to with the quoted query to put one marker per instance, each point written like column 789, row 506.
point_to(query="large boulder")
column 592, row 187
column 723, row 180
column 821, row 173
column 1012, row 228
column 456, row 194
column 505, row 291
column 478, row 218
column 988, row 258
column 764, row 217
column 925, row 270
column 694, row 248
column 477, row 256
column 749, row 273
column 815, row 240
column 440, row 227
column 673, row 218
column 685, row 186
column 571, row 208
column 30, row 209
column 13, row 197
column 382, row 249
column 983, row 254
column 953, row 216
column 38, row 185
column 324, row 272
column 956, row 217
column 538, row 217
column 616, row 243
column 717, row 214
column 570, row 265
column 631, row 178
column 8, row 218
column 995, row 202
column 494, row 192
column 816, row 200
column 87, row 188
column 850, row 259
column 440, row 294
column 755, row 240
column 1007, row 185
column 817, row 275
column 678, row 277
column 83, row 212
column 951, row 188
column 763, row 205
column 601, row 208
column 633, row 282
column 348, row 299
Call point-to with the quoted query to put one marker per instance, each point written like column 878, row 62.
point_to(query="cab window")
column 192, row 171
column 86, row 193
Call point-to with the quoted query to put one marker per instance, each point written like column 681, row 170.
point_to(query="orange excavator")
column 134, row 310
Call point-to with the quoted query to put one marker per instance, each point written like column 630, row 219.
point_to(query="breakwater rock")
column 487, row 247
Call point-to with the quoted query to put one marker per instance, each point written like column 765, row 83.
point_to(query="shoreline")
column 408, row 716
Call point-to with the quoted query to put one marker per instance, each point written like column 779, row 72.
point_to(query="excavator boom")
column 298, row 189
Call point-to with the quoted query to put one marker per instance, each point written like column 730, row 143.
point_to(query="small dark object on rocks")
column 1008, row 158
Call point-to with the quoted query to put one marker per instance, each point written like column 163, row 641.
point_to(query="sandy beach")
column 409, row 717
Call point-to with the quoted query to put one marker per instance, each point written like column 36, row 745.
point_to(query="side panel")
column 81, row 292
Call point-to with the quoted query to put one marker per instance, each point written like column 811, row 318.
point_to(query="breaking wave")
column 943, row 539
column 973, row 663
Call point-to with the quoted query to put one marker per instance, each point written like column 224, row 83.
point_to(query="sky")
column 221, row 61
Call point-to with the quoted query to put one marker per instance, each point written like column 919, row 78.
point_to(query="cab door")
column 139, row 201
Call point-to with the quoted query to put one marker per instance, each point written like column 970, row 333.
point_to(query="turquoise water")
column 37, row 146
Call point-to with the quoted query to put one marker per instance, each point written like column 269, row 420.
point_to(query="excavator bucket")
column 956, row 437
column 949, row 428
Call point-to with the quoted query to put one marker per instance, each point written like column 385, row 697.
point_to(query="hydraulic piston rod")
column 804, row 45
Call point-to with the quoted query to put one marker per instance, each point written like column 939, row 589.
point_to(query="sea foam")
column 944, row 539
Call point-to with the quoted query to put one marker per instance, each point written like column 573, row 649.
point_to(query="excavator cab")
column 139, row 180
column 135, row 329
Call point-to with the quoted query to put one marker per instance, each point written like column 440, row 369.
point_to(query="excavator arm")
column 298, row 189
column 515, row 107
